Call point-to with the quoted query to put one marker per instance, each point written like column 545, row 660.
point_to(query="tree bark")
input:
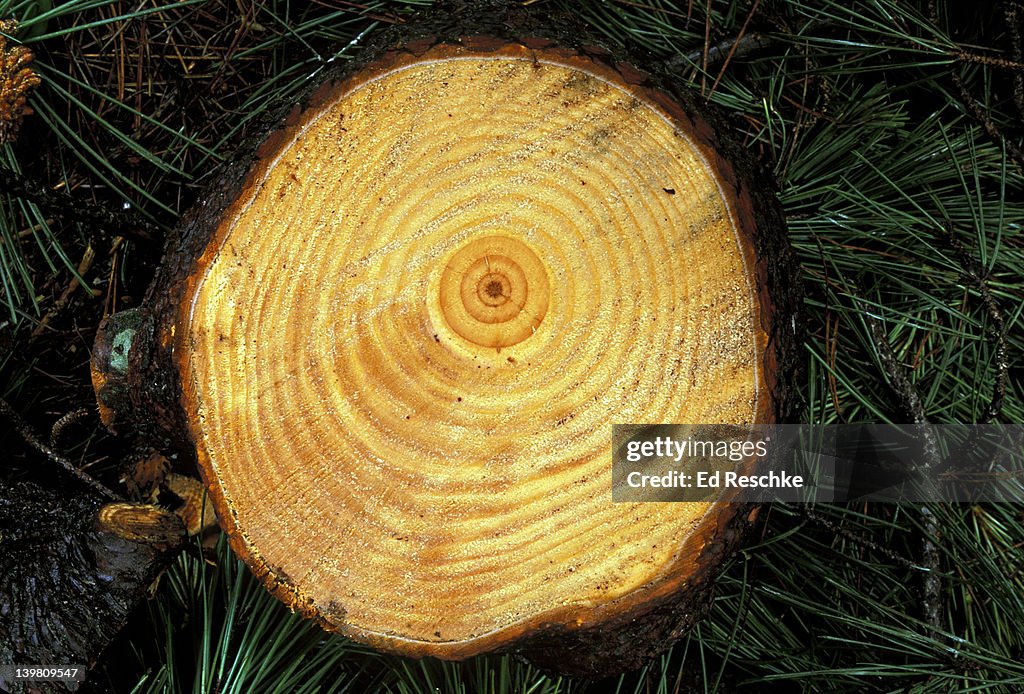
column 71, row 571
column 398, row 329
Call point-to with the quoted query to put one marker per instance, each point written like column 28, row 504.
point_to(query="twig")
column 707, row 45
column 833, row 342
column 857, row 539
column 990, row 60
column 971, row 104
column 103, row 221
column 987, row 124
column 83, row 267
column 905, row 390
column 61, row 425
column 898, row 378
column 735, row 45
column 1014, row 14
column 932, row 583
column 32, row 439
column 973, row 275
column 737, row 48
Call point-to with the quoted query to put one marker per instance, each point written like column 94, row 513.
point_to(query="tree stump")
column 398, row 332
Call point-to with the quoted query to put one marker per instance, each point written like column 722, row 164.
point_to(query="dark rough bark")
column 146, row 395
column 629, row 641
column 71, row 571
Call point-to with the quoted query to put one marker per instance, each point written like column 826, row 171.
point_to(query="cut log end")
column 407, row 336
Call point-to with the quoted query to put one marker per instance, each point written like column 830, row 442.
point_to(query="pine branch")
column 973, row 276
column 104, row 223
column 904, row 389
column 32, row 439
column 973, row 106
column 1014, row 13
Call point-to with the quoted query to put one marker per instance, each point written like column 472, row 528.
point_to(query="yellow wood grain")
column 408, row 353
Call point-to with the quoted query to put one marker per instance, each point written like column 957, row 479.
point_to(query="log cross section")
column 406, row 341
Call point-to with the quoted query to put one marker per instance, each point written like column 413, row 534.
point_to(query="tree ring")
column 494, row 292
